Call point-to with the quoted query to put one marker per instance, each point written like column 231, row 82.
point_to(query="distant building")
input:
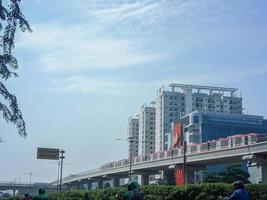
column 171, row 105
column 147, row 130
column 133, row 131
column 199, row 126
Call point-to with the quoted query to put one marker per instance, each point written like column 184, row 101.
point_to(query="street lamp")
column 61, row 169
column 130, row 140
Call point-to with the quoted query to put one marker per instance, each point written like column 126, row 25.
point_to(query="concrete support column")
column 116, row 182
column 145, row 179
column 100, row 184
column 169, row 177
column 258, row 171
column 89, row 185
column 81, row 185
column 73, row 185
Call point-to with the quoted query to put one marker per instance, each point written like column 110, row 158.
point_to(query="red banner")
column 179, row 177
column 177, row 134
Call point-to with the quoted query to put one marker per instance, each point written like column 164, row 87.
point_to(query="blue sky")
column 89, row 65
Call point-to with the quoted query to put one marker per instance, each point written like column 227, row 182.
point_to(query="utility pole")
column 61, row 169
column 58, row 174
column 184, row 163
column 130, row 156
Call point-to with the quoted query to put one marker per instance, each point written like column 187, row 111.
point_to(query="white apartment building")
column 183, row 99
column 147, row 130
column 133, row 131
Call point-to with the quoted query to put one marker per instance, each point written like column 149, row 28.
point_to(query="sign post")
column 53, row 154
column 47, row 153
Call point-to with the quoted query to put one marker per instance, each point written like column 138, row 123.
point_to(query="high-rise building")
column 183, row 99
column 169, row 107
column 133, row 132
column 147, row 130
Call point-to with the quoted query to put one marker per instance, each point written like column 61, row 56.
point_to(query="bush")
column 161, row 192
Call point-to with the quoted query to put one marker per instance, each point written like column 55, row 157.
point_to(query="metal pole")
column 184, row 164
column 61, row 157
column 130, row 172
column 58, row 174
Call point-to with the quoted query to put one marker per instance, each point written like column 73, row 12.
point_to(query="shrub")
column 161, row 192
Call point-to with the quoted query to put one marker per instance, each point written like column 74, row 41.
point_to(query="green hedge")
column 159, row 192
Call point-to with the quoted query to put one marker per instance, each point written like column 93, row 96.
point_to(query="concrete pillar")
column 73, row 185
column 258, row 172
column 116, row 182
column 81, row 185
column 100, row 184
column 89, row 185
column 145, row 179
column 169, row 177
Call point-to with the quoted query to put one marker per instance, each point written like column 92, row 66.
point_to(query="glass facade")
column 200, row 126
column 216, row 125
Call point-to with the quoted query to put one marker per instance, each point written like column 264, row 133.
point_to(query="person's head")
column 41, row 191
column 133, row 185
column 238, row 185
column 26, row 195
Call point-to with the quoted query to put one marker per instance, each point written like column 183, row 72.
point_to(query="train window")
column 194, row 149
column 212, row 145
column 253, row 138
column 224, row 144
column 238, row 141
column 204, row 147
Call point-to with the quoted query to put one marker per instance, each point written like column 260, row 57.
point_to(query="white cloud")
column 74, row 48
column 114, row 84
column 127, row 10
column 87, row 84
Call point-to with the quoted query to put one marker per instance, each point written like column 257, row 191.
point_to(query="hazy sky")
column 89, row 65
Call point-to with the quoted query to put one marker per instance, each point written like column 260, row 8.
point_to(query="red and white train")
column 213, row 145
column 229, row 142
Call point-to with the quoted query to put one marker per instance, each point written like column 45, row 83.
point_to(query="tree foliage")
column 11, row 19
column 230, row 174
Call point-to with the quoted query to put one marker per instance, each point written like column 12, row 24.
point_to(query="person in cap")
column 133, row 192
column 239, row 192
